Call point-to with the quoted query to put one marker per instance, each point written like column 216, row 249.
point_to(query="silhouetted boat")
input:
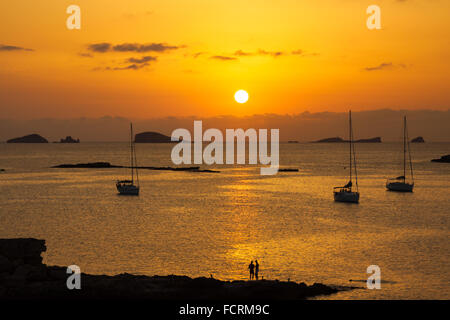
column 127, row 187
column 346, row 193
column 401, row 183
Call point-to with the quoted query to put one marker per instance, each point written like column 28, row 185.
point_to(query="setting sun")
column 241, row 96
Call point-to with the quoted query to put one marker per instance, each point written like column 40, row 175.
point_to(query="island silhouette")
column 31, row 138
column 339, row 140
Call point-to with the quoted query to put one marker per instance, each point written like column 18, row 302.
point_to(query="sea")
column 204, row 224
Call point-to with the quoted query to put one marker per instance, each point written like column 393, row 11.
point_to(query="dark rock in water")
column 88, row 165
column 445, row 159
column 338, row 139
column 26, row 281
column 371, row 140
column 152, row 137
column 418, row 140
column 109, row 165
column 69, row 139
column 31, row 138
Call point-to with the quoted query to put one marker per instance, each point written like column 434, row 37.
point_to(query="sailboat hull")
column 400, row 186
column 346, row 196
column 128, row 189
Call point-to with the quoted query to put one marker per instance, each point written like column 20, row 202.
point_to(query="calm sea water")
column 198, row 224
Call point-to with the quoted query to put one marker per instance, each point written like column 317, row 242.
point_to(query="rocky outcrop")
column 339, row 139
column 152, row 137
column 88, row 165
column 69, row 139
column 23, row 276
column 370, row 140
column 97, row 165
column 20, row 262
column 31, row 138
column 445, row 159
column 418, row 140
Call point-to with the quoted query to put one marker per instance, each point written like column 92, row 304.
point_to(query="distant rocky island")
column 152, row 137
column 24, row 276
column 88, row 165
column 445, row 159
column 339, row 140
column 99, row 165
column 418, row 140
column 31, row 138
column 69, row 139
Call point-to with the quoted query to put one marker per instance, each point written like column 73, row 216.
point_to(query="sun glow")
column 241, row 96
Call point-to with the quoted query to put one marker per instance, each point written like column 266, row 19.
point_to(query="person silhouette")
column 251, row 267
column 256, row 269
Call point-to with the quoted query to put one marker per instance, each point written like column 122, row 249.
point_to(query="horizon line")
column 226, row 115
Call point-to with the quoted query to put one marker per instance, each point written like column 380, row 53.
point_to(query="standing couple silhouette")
column 254, row 270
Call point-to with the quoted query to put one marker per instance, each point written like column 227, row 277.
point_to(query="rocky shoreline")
column 24, row 276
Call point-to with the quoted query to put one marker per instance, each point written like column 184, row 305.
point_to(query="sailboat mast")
column 409, row 151
column 131, row 151
column 404, row 148
column 350, row 140
column 135, row 163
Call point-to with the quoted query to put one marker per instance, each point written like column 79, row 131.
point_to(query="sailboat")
column 401, row 184
column 127, row 187
column 347, row 193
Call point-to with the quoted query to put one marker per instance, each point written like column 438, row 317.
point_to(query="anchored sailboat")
column 347, row 193
column 127, row 187
column 401, row 183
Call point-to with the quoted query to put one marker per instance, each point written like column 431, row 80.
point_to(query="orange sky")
column 409, row 56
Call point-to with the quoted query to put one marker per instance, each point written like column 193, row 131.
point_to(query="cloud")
column 270, row 53
column 302, row 53
column 99, row 47
column 142, row 60
column 131, row 47
column 85, row 55
column 260, row 52
column 197, row 54
column 275, row 54
column 223, row 58
column 4, row 47
column 385, row 65
column 134, row 66
column 155, row 47
column 241, row 53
